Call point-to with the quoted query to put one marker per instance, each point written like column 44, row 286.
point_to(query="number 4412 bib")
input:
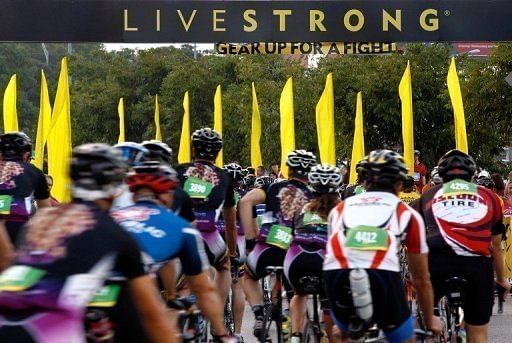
column 367, row 238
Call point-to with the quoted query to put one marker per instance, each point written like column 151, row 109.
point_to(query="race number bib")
column 197, row 188
column 5, row 204
column 106, row 296
column 312, row 218
column 359, row 190
column 458, row 186
column 279, row 236
column 367, row 238
column 20, row 278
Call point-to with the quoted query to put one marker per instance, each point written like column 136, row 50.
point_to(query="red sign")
column 479, row 49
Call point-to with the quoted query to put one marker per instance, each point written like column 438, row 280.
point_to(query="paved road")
column 499, row 329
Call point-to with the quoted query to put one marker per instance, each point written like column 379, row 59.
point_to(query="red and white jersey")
column 366, row 231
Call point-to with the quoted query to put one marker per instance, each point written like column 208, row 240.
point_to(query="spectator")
column 49, row 181
column 499, row 184
column 274, row 171
column 260, row 171
column 420, row 171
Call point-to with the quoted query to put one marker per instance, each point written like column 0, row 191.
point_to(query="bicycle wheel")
column 309, row 335
column 228, row 314
column 266, row 325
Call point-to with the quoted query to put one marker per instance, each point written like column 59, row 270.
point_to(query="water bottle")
column 361, row 295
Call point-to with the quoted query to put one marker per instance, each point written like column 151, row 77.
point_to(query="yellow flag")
column 325, row 123
column 184, row 151
column 158, row 135
column 358, row 143
column 59, row 138
column 461, row 140
column 217, row 122
column 405, row 91
column 43, row 123
column 287, row 124
column 10, row 114
column 120, row 111
column 256, row 159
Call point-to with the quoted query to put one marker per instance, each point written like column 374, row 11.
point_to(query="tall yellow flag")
column 184, row 151
column 217, row 122
column 10, row 113
column 43, row 123
column 59, row 138
column 461, row 139
column 358, row 143
column 256, row 159
column 158, row 135
column 325, row 123
column 405, row 91
column 287, row 124
column 120, row 111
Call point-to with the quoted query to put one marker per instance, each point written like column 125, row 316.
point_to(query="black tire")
column 308, row 335
column 267, row 323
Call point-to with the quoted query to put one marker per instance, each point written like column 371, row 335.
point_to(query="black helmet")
column 456, row 164
column 325, row 178
column 158, row 151
column 96, row 171
column 207, row 143
column 235, row 171
column 14, row 144
column 385, row 167
column 301, row 161
column 360, row 167
column 408, row 182
column 249, row 181
column 132, row 153
column 263, row 181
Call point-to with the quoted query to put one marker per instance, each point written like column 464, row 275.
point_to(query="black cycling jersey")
column 182, row 205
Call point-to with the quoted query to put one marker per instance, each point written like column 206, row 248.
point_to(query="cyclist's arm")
column 229, row 215
column 168, row 275
column 499, row 260
column 41, row 193
column 6, row 249
column 152, row 310
column 251, row 199
column 41, row 203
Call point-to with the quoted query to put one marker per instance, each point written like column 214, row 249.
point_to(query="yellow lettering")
column 186, row 25
column 316, row 17
column 158, row 20
column 251, row 20
column 218, row 20
column 395, row 21
column 360, row 20
column 126, row 27
column 429, row 24
column 282, row 18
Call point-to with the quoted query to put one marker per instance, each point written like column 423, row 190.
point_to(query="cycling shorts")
column 479, row 290
column 263, row 255
column 216, row 249
column 302, row 265
column 390, row 308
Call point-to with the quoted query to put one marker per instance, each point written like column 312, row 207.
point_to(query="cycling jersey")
column 163, row 236
column 461, row 217
column 409, row 197
column 209, row 188
column 367, row 230
column 66, row 254
column 310, row 229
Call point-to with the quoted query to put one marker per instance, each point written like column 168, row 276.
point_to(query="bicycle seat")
column 310, row 284
column 274, row 269
column 455, row 290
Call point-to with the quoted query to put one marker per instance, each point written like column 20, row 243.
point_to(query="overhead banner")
column 306, row 48
column 210, row 21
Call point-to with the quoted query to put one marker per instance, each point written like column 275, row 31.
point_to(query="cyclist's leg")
column 237, row 288
column 477, row 333
column 217, row 249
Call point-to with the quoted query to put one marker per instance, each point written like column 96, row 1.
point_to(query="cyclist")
column 435, row 179
column 369, row 244
column 409, row 193
column 305, row 256
column 211, row 190
column 163, row 236
column 161, row 152
column 465, row 228
column 282, row 200
column 132, row 154
column 66, row 254
column 359, row 186
column 21, row 183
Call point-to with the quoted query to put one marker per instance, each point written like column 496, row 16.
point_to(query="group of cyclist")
column 138, row 233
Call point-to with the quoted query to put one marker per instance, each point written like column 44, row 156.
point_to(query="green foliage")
column 99, row 78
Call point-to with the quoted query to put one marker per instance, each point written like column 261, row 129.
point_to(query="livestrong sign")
column 204, row 21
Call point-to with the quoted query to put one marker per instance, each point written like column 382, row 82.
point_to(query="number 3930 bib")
column 279, row 236
column 367, row 238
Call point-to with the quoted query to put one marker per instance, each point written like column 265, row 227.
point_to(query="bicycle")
column 449, row 310
column 193, row 326
column 312, row 332
column 273, row 304
column 228, row 308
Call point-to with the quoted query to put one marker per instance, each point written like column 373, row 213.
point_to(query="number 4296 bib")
column 367, row 238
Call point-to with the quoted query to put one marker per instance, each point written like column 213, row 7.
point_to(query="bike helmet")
column 456, row 164
column 249, row 181
column 301, row 161
column 235, row 171
column 434, row 175
column 263, row 181
column 408, row 183
column 96, row 171
column 132, row 153
column 384, row 167
column 157, row 176
column 158, row 151
column 14, row 144
column 487, row 182
column 360, row 167
column 325, row 178
column 207, row 143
